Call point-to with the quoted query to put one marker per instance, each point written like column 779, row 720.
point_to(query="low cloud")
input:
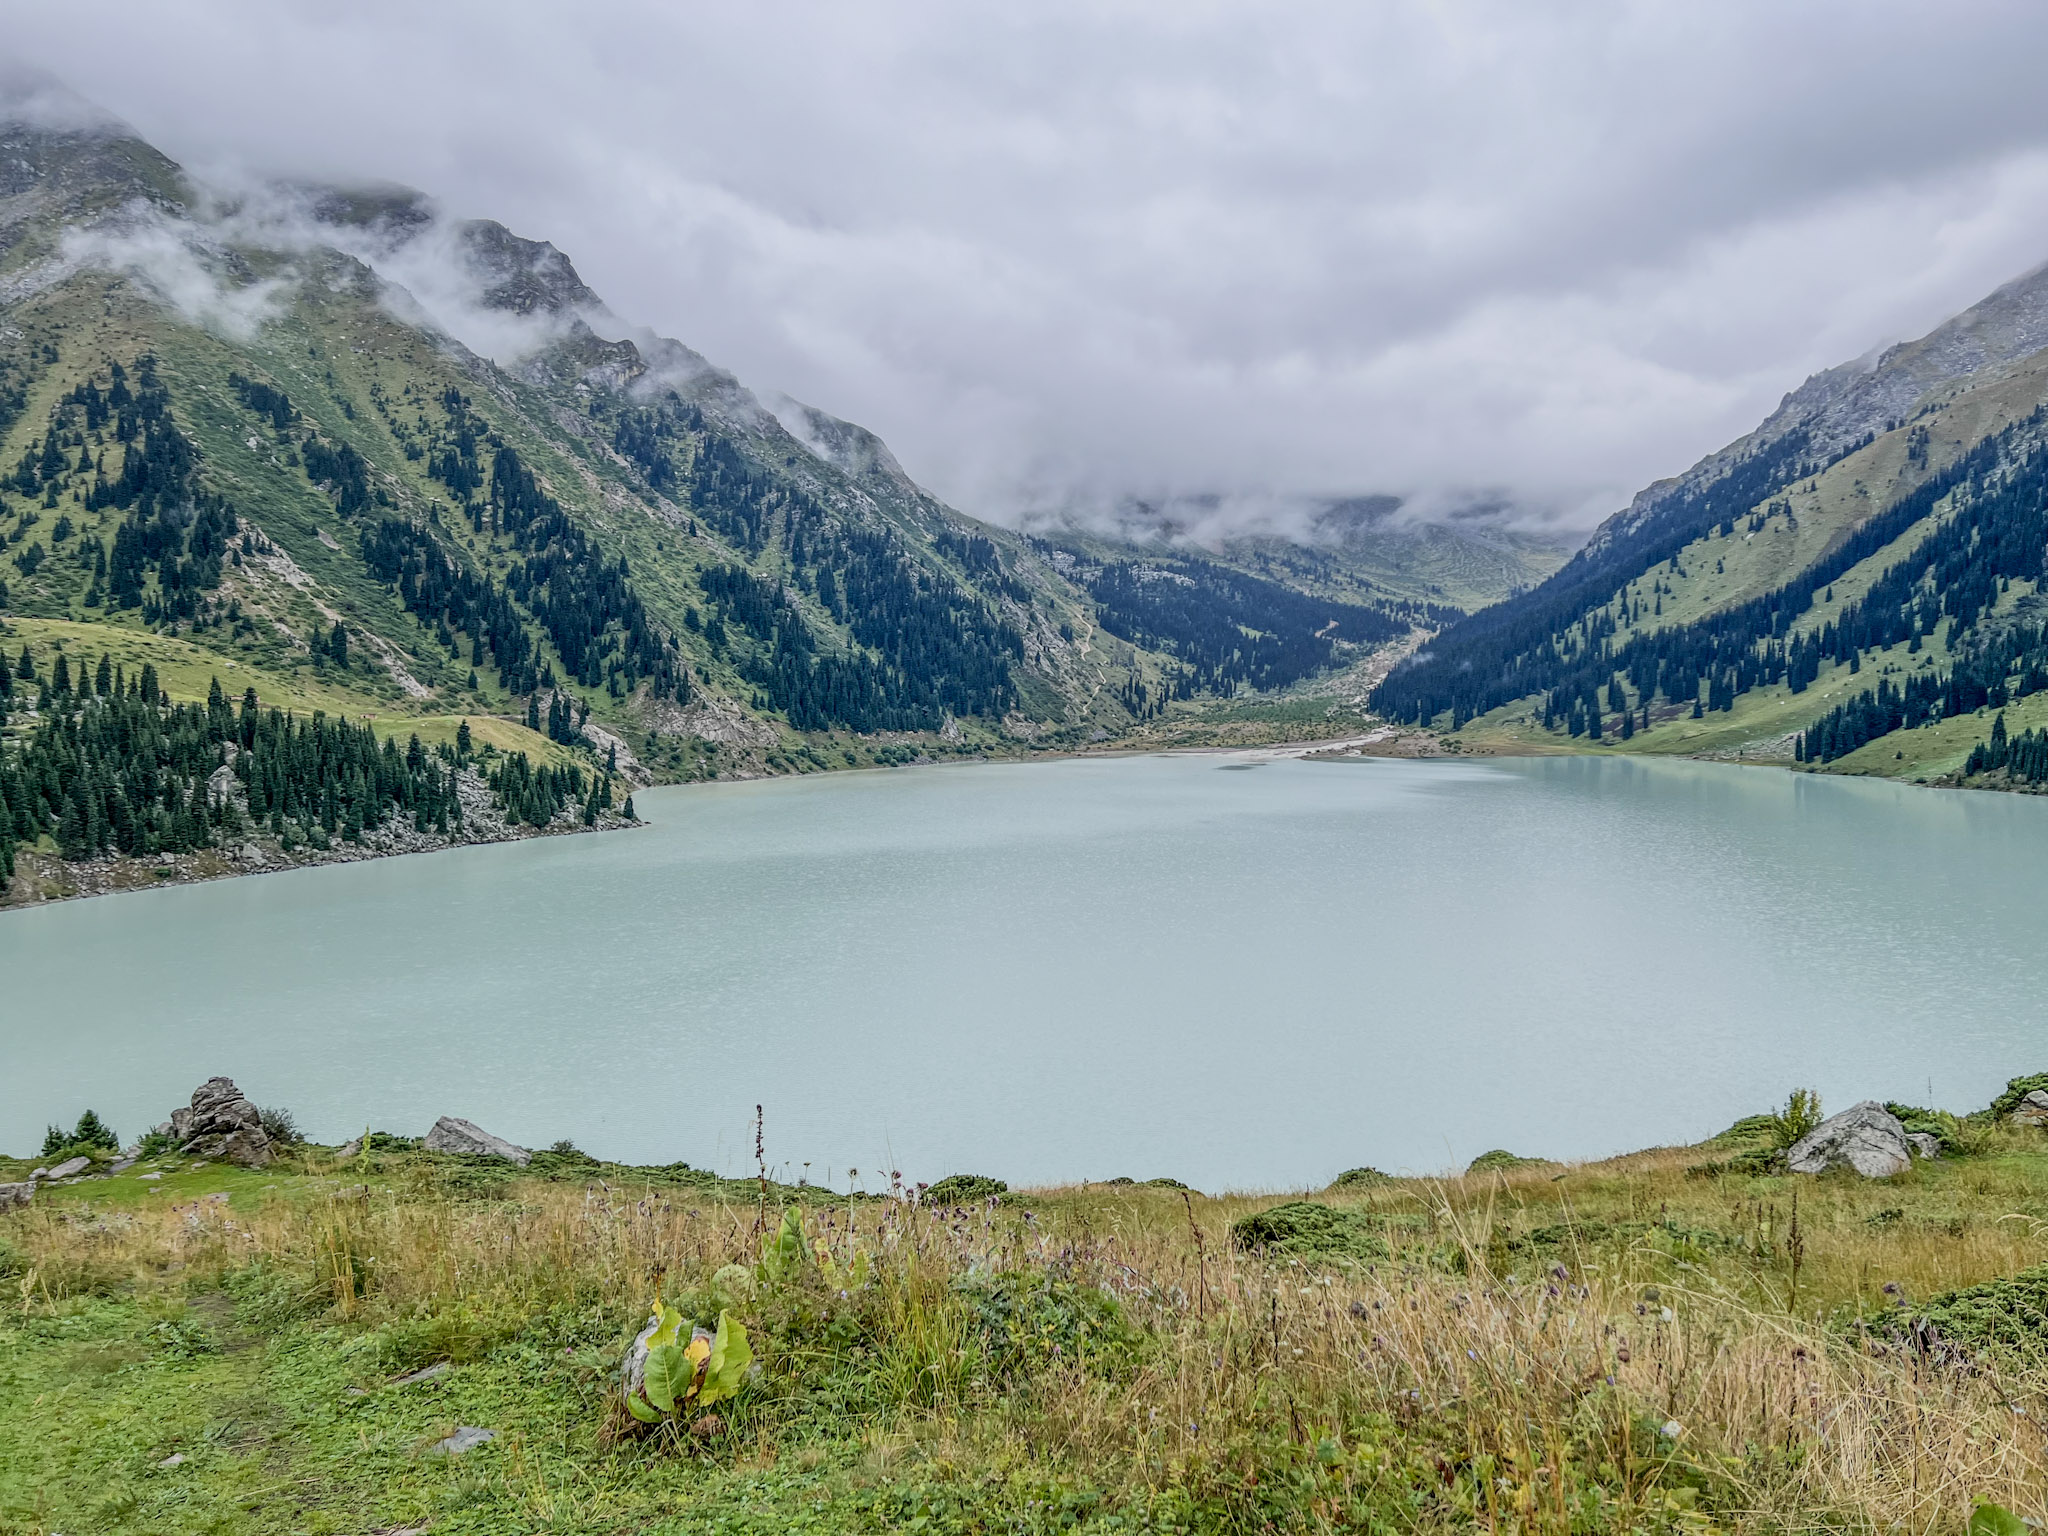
column 175, row 260
column 1521, row 252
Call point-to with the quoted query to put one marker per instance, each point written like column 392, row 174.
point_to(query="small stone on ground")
column 467, row 1437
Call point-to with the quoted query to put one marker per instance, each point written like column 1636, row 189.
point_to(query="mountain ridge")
column 1705, row 617
column 353, row 449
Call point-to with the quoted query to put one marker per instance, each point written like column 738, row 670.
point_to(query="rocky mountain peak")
column 523, row 276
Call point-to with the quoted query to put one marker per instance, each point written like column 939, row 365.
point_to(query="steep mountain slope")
column 1887, row 515
column 603, row 513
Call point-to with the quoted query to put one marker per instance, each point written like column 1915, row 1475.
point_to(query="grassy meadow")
column 1677, row 1340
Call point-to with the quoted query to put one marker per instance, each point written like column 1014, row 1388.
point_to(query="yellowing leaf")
column 669, row 1324
column 726, row 1370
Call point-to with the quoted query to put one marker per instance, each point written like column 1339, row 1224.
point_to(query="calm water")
column 1238, row 975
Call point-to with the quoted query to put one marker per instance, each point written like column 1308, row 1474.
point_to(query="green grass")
column 1488, row 1352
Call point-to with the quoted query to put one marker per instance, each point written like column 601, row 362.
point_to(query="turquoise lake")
column 1239, row 972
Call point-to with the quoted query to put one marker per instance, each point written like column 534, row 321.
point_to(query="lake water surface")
column 1240, row 973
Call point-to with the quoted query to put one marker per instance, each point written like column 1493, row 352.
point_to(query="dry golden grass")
column 1617, row 1368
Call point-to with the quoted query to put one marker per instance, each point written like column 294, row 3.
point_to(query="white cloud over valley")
column 1069, row 251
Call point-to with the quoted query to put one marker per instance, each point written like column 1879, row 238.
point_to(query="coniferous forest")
column 1988, row 516
column 1229, row 630
column 116, row 768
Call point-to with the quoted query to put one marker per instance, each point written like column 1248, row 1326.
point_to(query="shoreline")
column 123, row 875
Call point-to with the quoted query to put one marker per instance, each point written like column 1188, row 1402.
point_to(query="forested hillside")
column 1737, row 609
column 235, row 449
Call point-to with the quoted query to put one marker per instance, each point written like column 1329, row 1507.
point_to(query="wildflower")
column 1672, row 1429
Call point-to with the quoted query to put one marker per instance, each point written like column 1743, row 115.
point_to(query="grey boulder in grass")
column 221, row 1123
column 453, row 1135
column 1866, row 1137
column 2031, row 1110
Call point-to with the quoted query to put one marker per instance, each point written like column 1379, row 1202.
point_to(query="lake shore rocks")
column 451, row 1134
column 1866, row 1137
column 222, row 1123
column 2031, row 1110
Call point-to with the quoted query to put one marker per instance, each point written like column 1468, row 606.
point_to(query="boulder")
column 1924, row 1145
column 2031, row 1110
column 70, row 1168
column 452, row 1135
column 12, row 1195
column 1866, row 1137
column 222, row 1123
column 467, row 1437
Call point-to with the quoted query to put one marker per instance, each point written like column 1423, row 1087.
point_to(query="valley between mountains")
column 295, row 571
column 295, row 574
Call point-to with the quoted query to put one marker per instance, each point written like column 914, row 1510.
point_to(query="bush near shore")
column 1660, row 1342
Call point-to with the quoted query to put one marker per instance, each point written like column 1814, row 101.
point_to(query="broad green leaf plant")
column 680, row 1378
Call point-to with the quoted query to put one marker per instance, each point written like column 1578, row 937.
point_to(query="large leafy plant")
column 680, row 1377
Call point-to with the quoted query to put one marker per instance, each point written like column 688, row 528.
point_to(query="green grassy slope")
column 1680, row 1339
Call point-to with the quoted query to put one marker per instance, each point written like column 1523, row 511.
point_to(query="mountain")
column 329, row 449
column 1889, row 519
column 1367, row 549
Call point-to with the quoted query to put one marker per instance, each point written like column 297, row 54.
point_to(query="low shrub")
column 1501, row 1158
column 1360, row 1178
column 280, row 1127
column 1939, row 1124
column 1801, row 1114
column 1024, row 1319
column 1749, row 1131
column 2008, row 1316
column 964, row 1189
column 2015, row 1090
column 1302, row 1229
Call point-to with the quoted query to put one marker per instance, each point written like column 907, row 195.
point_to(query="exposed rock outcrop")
column 1866, row 1137
column 2031, row 1110
column 221, row 1123
column 452, row 1135
column 16, row 1194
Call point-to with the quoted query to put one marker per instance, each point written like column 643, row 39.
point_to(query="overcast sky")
column 1057, row 250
